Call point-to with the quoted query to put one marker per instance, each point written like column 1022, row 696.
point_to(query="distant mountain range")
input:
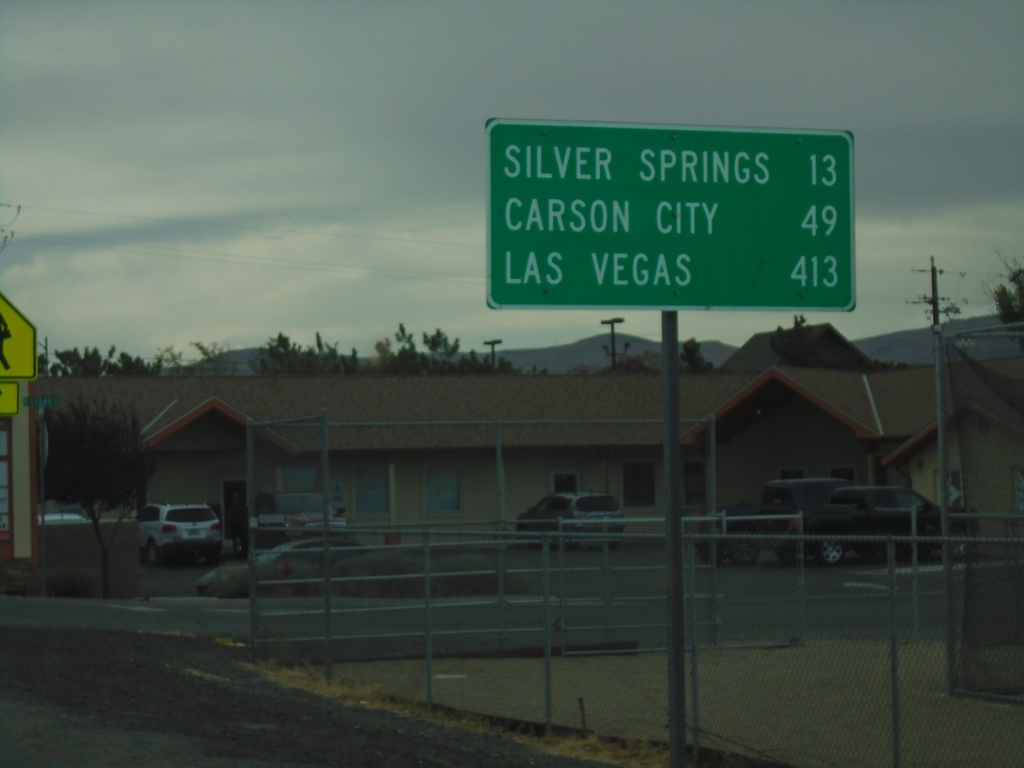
column 592, row 353
column 913, row 347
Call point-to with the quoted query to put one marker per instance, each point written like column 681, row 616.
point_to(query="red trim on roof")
column 214, row 405
column 908, row 448
column 759, row 385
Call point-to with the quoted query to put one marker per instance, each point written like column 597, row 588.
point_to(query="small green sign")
column 41, row 401
column 587, row 215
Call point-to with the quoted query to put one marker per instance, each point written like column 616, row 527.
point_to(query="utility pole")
column 933, row 300
column 612, row 323
column 492, row 343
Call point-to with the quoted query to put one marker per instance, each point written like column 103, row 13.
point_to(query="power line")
column 266, row 261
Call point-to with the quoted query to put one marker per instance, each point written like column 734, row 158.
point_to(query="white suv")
column 192, row 530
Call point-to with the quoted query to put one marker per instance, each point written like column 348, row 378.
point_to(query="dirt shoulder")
column 99, row 698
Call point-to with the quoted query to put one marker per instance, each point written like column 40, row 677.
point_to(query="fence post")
column 499, row 481
column 252, row 534
column 500, row 575
column 548, row 693
column 428, row 638
column 606, row 566
column 947, row 552
column 324, row 487
column 801, row 557
column 689, row 563
column 713, row 565
column 562, row 601
column 916, row 587
column 894, row 654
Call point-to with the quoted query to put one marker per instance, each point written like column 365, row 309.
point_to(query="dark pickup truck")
column 871, row 511
column 824, row 507
column 783, row 502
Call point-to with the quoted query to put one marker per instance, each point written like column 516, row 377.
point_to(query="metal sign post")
column 674, row 541
column 629, row 216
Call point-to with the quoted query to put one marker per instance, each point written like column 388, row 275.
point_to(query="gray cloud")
column 249, row 142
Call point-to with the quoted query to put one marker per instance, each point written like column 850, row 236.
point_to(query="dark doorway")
column 236, row 516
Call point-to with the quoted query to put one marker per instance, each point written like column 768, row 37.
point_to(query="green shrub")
column 280, row 579
column 397, row 575
column 381, row 575
column 70, row 582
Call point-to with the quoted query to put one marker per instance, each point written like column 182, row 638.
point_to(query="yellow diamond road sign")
column 17, row 343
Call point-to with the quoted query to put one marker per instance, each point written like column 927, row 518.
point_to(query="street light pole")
column 612, row 322
column 492, row 343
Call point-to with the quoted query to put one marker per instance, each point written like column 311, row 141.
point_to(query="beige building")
column 426, row 450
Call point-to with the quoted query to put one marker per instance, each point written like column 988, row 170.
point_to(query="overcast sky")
column 222, row 171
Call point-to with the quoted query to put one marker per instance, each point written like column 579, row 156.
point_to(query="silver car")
column 59, row 514
column 578, row 512
column 183, row 530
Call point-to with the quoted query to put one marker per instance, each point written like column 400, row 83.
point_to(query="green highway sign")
column 588, row 215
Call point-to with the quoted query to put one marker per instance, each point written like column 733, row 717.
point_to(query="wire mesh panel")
column 295, row 535
column 861, row 682
column 986, row 423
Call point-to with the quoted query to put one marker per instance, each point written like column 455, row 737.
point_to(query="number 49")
column 828, row 218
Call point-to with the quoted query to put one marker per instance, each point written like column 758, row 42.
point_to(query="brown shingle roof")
column 165, row 404
column 905, row 399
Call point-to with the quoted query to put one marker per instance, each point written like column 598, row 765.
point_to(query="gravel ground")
column 106, row 699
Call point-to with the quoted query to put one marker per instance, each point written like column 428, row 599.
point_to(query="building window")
column 842, row 473
column 372, row 495
column 695, row 483
column 638, row 484
column 565, row 482
column 791, row 473
column 299, row 479
column 443, row 489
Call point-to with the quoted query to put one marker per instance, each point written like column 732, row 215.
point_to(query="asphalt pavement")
column 746, row 602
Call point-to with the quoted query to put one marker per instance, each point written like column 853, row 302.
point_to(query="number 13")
column 827, row 174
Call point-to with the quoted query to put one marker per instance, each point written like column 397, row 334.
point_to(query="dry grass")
column 823, row 704
column 629, row 754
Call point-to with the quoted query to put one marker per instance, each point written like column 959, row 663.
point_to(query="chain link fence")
column 787, row 662
column 984, row 431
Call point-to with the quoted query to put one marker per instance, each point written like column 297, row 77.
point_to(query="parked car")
column 60, row 514
column 287, row 516
column 186, row 530
column 582, row 512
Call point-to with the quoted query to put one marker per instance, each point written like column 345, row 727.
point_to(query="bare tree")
column 98, row 459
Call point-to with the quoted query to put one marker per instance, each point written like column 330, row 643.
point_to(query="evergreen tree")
column 89, row 362
column 1008, row 295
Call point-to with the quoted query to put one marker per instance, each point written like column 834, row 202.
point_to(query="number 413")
column 818, row 270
